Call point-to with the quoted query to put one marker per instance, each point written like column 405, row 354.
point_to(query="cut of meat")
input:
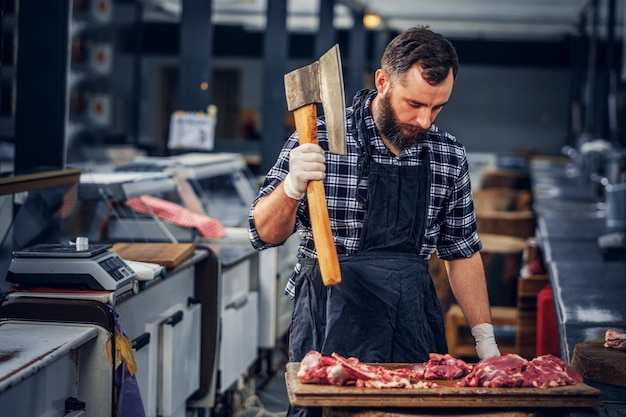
column 445, row 367
column 372, row 376
column 549, row 371
column 497, row 371
column 439, row 366
column 337, row 370
column 314, row 369
column 614, row 339
column 318, row 369
column 511, row 370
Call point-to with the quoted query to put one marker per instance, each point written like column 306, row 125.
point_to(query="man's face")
column 399, row 134
column 405, row 110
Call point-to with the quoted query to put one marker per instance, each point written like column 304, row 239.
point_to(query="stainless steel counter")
column 238, row 309
column 274, row 266
column 567, row 249
column 27, row 348
column 589, row 290
column 171, row 322
column 43, row 365
column 588, row 294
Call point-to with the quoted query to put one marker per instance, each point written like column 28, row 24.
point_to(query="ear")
column 381, row 80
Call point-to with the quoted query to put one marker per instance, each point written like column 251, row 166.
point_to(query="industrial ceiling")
column 472, row 19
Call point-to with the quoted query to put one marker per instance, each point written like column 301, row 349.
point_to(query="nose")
column 423, row 118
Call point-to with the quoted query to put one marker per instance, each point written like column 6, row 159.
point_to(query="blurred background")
column 121, row 120
column 104, row 77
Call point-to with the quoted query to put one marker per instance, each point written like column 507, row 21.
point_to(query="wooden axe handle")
column 306, row 126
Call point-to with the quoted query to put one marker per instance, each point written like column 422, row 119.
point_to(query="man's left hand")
column 486, row 346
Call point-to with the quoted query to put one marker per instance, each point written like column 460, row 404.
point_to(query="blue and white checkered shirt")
column 451, row 221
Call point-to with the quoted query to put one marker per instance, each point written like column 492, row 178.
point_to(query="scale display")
column 64, row 267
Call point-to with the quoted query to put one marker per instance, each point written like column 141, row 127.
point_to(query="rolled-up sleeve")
column 459, row 237
column 275, row 176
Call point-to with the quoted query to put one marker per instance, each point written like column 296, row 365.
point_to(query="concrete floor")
column 265, row 395
column 270, row 401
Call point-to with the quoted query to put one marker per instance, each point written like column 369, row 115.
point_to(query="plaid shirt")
column 451, row 222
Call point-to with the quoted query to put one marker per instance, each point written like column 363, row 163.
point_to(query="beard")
column 402, row 135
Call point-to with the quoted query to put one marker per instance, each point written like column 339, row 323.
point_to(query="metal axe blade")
column 333, row 100
column 322, row 82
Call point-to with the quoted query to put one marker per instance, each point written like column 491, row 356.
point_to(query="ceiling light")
column 371, row 20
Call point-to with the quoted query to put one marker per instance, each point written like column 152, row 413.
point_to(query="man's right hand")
column 306, row 163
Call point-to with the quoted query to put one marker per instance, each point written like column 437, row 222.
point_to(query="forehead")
column 418, row 73
column 412, row 84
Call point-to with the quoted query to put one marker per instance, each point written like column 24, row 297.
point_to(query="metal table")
column 588, row 289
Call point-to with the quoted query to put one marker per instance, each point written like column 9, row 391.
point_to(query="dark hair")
column 421, row 46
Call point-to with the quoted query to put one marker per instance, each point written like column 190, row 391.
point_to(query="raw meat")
column 511, row 370
column 335, row 369
column 496, row 371
column 318, row 369
column 372, row 376
column 441, row 366
column 614, row 339
column 549, row 371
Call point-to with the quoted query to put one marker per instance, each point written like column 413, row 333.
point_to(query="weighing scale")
column 65, row 267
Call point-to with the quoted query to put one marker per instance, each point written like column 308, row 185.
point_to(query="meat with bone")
column 337, row 370
column 314, row 369
column 614, row 339
column 511, row 370
column 373, row 376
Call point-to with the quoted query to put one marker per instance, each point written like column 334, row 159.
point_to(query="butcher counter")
column 588, row 286
column 442, row 398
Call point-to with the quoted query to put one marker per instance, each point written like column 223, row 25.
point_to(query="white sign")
column 190, row 130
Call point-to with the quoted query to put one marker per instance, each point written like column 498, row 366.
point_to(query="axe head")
column 322, row 82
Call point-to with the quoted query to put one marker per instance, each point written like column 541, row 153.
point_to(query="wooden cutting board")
column 446, row 395
column 169, row 255
column 598, row 363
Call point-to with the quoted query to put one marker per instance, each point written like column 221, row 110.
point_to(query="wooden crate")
column 519, row 224
column 502, row 199
column 495, row 178
column 502, row 259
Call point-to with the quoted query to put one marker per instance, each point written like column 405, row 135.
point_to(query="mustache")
column 411, row 129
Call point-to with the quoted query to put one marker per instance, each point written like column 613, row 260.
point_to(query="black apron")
column 386, row 308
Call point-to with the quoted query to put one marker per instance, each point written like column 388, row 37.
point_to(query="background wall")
column 492, row 109
column 499, row 109
column 508, row 95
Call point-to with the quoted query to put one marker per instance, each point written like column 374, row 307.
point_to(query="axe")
column 321, row 81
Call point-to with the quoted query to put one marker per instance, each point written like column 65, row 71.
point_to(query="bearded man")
column 401, row 192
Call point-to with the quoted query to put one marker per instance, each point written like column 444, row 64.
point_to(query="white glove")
column 486, row 346
column 306, row 163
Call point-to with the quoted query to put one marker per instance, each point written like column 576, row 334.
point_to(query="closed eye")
column 416, row 104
